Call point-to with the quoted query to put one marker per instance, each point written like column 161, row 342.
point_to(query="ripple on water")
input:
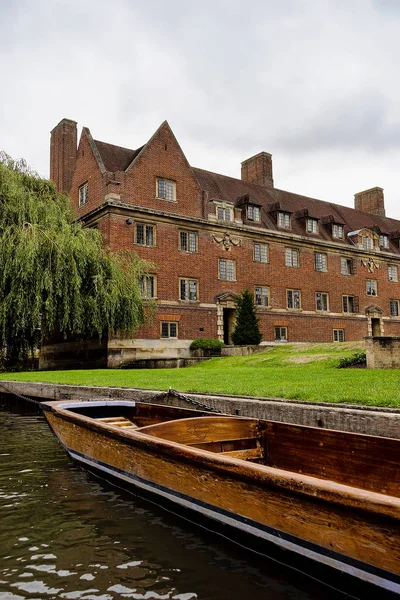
column 65, row 534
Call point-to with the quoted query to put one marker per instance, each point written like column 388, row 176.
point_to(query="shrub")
column 206, row 344
column 358, row 359
column 246, row 329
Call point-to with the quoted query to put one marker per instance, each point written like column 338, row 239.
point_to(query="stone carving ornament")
column 227, row 241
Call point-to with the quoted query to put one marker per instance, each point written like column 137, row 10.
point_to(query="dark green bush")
column 247, row 331
column 206, row 344
column 358, row 359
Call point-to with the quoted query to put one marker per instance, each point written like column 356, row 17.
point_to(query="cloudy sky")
column 314, row 82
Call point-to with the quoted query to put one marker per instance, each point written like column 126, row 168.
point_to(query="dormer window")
column 166, row 189
column 224, row 214
column 253, row 213
column 284, row 219
column 312, row 225
column 337, row 231
column 383, row 241
column 367, row 243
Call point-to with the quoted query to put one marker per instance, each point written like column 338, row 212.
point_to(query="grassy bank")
column 298, row 372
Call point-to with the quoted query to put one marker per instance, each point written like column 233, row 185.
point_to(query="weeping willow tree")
column 55, row 276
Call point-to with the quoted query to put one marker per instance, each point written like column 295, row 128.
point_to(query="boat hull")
column 301, row 528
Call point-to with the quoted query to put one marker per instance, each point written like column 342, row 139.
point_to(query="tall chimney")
column 258, row 169
column 63, row 146
column 370, row 201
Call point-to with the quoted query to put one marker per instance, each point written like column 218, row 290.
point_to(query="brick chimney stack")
column 370, row 201
column 63, row 147
column 258, row 169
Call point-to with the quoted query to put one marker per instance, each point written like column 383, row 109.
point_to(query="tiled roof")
column 115, row 158
column 230, row 189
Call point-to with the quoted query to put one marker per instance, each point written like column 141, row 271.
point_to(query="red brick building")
column 318, row 271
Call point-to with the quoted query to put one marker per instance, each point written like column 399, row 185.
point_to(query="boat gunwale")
column 325, row 490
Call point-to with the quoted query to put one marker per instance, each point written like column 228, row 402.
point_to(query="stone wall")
column 383, row 352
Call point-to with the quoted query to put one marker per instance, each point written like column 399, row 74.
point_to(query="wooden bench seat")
column 118, row 422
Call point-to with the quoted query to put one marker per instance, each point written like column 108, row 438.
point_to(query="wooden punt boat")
column 309, row 494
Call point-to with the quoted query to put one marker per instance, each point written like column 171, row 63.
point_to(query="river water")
column 66, row 534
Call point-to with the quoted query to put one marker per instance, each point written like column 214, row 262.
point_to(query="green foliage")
column 246, row 329
column 206, row 344
column 358, row 359
column 54, row 274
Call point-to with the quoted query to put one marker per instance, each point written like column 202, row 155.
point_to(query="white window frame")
column 367, row 242
column 260, row 252
column 226, row 269
column 392, row 273
column 171, row 326
column 261, row 296
column 322, row 298
column 292, row 257
column 188, row 289
column 383, row 241
column 188, row 241
column 224, row 212
column 320, row 261
column 166, row 189
column 293, row 297
column 346, row 265
column 312, row 225
column 338, row 335
column 83, row 194
column 284, row 219
column 253, row 213
column 338, row 231
column 371, row 287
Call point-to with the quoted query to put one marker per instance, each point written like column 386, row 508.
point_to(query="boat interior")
column 363, row 461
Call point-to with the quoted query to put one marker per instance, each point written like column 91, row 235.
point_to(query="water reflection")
column 66, row 534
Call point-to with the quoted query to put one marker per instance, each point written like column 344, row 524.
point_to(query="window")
column 227, row 270
column 224, row 214
column 347, row 266
column 293, row 299
column 188, row 289
column 383, row 241
column 321, row 301
column 394, row 308
column 337, row 231
column 261, row 296
column 169, row 329
column 166, row 189
column 320, row 261
column 144, row 234
column 350, row 304
column 83, row 194
column 392, row 273
column 284, row 220
column 312, row 225
column 291, row 257
column 188, row 241
column 280, row 334
column 371, row 287
column 368, row 243
column 253, row 213
column 338, row 335
column 147, row 284
column 261, row 253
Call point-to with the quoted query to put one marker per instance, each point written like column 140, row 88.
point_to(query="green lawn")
column 298, row 372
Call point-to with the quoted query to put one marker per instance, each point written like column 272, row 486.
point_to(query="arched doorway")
column 226, row 316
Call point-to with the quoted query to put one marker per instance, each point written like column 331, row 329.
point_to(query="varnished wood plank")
column 205, row 429
column 247, row 454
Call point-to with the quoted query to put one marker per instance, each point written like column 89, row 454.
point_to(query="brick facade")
column 247, row 224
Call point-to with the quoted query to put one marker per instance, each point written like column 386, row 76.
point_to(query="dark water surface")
column 66, row 534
